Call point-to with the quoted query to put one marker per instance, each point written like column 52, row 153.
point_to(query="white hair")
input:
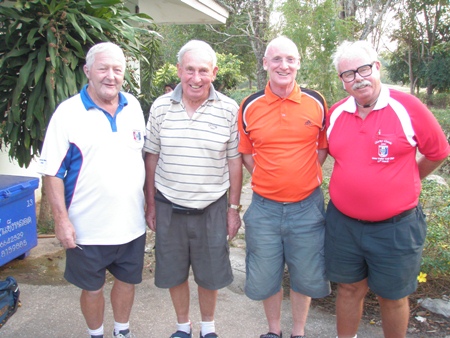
column 351, row 49
column 197, row 45
column 103, row 47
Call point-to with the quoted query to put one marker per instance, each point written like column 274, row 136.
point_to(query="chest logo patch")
column 137, row 135
column 382, row 148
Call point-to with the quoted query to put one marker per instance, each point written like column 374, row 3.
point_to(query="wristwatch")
column 238, row 208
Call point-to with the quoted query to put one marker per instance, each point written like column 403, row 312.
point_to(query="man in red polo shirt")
column 375, row 227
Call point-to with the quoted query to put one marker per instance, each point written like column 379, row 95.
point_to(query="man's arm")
column 426, row 166
column 322, row 155
column 234, row 197
column 151, row 160
column 249, row 162
column 64, row 229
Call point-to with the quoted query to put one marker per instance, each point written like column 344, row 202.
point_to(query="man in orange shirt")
column 283, row 142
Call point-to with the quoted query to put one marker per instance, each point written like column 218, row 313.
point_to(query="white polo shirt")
column 99, row 157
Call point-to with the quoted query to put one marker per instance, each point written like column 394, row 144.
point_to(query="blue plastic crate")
column 18, row 233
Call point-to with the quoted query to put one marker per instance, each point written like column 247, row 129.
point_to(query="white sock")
column 185, row 327
column 120, row 327
column 97, row 332
column 207, row 327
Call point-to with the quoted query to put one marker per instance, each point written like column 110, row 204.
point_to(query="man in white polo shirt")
column 192, row 161
column 94, row 178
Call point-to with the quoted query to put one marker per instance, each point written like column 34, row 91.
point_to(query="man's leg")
column 207, row 300
column 272, row 308
column 300, row 308
column 349, row 307
column 180, row 300
column 122, row 298
column 93, row 307
column 394, row 317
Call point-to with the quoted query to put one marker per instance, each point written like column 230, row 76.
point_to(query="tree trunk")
column 46, row 224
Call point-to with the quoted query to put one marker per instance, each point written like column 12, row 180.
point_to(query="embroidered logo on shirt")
column 382, row 147
column 308, row 123
column 137, row 135
column 383, row 150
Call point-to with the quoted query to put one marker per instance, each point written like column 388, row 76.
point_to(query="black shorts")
column 86, row 267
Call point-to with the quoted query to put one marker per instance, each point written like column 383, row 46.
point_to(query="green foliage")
column 422, row 38
column 222, row 38
column 435, row 199
column 228, row 76
column 165, row 75
column 240, row 94
column 439, row 68
column 438, row 100
column 443, row 116
column 43, row 44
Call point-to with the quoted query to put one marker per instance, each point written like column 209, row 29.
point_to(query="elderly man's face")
column 196, row 73
column 361, row 78
column 282, row 63
column 105, row 76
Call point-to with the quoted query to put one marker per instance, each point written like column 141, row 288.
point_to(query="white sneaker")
column 121, row 335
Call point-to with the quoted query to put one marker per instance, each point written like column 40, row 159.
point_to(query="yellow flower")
column 422, row 277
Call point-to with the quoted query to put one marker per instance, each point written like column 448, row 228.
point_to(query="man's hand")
column 65, row 233
column 150, row 215
column 233, row 222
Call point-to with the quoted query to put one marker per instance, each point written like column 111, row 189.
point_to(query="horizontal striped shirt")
column 192, row 169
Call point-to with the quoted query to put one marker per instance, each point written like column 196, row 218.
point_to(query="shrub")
column 435, row 199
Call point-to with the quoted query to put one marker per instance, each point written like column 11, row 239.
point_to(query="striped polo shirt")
column 192, row 170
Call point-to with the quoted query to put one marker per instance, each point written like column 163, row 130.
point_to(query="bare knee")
column 353, row 290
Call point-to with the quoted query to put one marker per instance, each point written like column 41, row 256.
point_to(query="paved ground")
column 53, row 311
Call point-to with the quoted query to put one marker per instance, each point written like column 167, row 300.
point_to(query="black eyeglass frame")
column 357, row 71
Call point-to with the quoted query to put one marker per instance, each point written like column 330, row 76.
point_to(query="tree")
column 367, row 15
column 42, row 50
column 222, row 38
column 422, row 36
column 316, row 29
column 251, row 20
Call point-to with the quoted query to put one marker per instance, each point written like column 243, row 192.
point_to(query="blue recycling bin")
column 18, row 233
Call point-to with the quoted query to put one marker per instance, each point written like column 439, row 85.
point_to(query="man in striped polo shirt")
column 192, row 161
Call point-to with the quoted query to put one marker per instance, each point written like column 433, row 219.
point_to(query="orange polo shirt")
column 283, row 135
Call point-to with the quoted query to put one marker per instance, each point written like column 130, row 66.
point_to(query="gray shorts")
column 387, row 254
column 86, row 268
column 197, row 240
column 285, row 233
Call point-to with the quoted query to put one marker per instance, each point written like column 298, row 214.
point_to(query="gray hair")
column 281, row 39
column 197, row 45
column 351, row 49
column 103, row 47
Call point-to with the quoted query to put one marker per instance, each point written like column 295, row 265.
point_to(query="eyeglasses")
column 289, row 60
column 363, row 71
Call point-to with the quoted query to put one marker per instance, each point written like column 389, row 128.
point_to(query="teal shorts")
column 279, row 234
column 388, row 254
